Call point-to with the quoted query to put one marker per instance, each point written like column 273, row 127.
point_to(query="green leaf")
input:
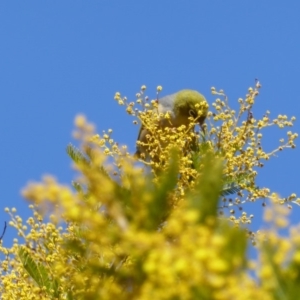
column 206, row 194
column 231, row 188
column 86, row 159
column 38, row 273
column 159, row 208
column 234, row 185
column 77, row 156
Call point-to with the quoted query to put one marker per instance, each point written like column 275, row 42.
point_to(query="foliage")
column 155, row 229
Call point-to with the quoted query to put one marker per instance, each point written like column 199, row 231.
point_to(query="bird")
column 180, row 106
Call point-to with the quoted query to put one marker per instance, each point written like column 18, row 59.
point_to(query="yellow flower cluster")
column 235, row 136
column 124, row 232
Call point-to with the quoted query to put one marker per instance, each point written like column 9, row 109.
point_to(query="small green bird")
column 180, row 106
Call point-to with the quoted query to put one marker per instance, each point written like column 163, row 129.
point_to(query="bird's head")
column 190, row 103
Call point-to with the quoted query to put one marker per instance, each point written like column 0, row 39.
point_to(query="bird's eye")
column 192, row 113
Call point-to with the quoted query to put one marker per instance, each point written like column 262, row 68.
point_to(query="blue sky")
column 61, row 58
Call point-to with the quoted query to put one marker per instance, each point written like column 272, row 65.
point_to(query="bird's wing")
column 166, row 103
